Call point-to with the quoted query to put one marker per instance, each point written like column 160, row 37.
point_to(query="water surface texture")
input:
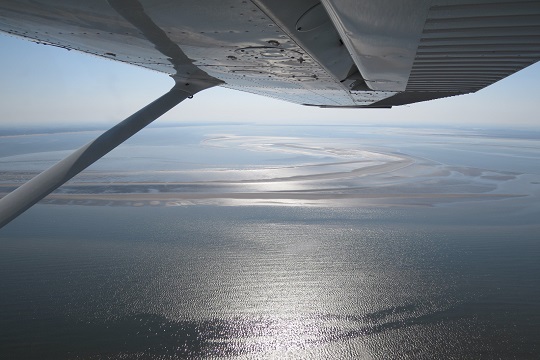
column 267, row 242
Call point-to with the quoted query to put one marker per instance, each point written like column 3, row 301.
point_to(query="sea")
column 246, row 241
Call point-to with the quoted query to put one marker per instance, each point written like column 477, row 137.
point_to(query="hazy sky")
column 42, row 85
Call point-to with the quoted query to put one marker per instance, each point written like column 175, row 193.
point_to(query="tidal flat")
column 249, row 242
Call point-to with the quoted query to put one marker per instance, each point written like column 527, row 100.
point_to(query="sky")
column 48, row 86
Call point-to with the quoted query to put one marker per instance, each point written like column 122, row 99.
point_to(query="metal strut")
column 22, row 198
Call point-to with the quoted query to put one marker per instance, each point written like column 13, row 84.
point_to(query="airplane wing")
column 327, row 53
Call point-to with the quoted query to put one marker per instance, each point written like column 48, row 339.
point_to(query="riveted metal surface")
column 320, row 38
column 231, row 40
column 293, row 50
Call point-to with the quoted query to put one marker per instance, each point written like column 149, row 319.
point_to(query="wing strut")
column 22, row 198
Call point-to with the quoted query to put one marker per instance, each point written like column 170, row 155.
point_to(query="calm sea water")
column 450, row 281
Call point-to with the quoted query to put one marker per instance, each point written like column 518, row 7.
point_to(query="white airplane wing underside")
column 329, row 53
